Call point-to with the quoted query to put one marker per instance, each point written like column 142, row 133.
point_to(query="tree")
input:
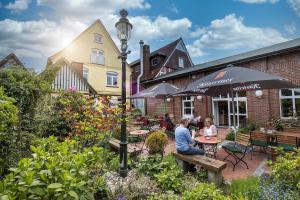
column 8, row 121
column 26, row 88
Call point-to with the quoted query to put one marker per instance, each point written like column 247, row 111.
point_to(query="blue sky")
column 211, row 29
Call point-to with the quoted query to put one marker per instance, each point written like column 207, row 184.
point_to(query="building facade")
column 281, row 59
column 11, row 60
column 93, row 57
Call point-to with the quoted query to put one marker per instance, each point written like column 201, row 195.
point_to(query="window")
column 154, row 62
column 98, row 38
column 112, row 79
column 187, row 105
column 181, row 62
column 97, row 56
column 290, row 102
column 85, row 73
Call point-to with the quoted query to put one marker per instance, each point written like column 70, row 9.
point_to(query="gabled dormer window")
column 180, row 62
column 98, row 38
column 154, row 62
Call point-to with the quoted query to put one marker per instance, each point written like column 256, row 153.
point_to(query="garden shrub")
column 230, row 135
column 286, row 170
column 169, row 195
column 276, row 191
column 151, row 165
column 170, row 179
column 248, row 188
column 156, row 142
column 83, row 118
column 164, row 170
column 201, row 174
column 277, row 124
column 154, row 164
column 55, row 171
column 204, row 191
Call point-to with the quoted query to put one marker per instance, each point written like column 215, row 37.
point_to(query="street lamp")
column 124, row 33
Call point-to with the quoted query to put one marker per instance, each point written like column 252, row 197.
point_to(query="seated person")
column 209, row 128
column 169, row 125
column 194, row 120
column 185, row 143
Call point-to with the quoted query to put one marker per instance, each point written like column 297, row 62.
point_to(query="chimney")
column 141, row 66
column 146, row 57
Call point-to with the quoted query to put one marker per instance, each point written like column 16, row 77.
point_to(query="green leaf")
column 4, row 197
column 55, row 185
column 38, row 191
column 73, row 194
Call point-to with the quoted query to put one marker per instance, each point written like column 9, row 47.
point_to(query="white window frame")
column 85, row 73
column 97, row 56
column 112, row 75
column 293, row 97
column 228, row 98
column 188, row 99
column 98, row 38
column 180, row 62
column 152, row 62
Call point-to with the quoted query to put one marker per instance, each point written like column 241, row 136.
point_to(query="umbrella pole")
column 165, row 111
column 233, row 112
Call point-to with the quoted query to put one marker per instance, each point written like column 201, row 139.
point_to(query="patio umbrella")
column 160, row 91
column 234, row 79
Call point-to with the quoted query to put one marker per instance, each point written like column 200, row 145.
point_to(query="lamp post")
column 123, row 32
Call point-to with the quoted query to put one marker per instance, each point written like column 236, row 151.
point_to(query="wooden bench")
column 213, row 166
column 131, row 149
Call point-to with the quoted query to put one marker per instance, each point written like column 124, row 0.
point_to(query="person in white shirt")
column 209, row 128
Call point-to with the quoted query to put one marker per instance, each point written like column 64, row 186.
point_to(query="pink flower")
column 73, row 89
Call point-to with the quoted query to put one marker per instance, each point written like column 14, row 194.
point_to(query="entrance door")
column 221, row 113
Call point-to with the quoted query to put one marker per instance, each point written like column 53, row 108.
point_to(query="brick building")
column 280, row 59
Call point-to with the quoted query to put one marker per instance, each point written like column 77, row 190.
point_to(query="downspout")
column 141, row 66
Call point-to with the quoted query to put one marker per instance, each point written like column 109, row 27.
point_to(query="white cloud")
column 84, row 10
column 36, row 39
column 173, row 8
column 295, row 4
column 258, row 1
column 159, row 28
column 18, row 5
column 290, row 28
column 231, row 33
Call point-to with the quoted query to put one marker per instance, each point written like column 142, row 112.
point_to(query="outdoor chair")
column 288, row 143
column 258, row 139
column 237, row 150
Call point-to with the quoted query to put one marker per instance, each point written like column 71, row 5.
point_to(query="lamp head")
column 123, row 26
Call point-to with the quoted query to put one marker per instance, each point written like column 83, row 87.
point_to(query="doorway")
column 221, row 113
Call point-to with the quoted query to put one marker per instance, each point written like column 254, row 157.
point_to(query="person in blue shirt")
column 185, row 143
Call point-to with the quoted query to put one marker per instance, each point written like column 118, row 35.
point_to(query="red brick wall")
column 259, row 109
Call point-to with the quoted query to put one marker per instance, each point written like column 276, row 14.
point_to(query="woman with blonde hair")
column 209, row 128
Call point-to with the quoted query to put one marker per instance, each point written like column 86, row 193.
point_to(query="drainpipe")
column 141, row 66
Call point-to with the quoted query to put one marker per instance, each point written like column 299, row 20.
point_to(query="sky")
column 211, row 29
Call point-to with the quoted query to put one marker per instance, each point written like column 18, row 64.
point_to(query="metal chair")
column 237, row 150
